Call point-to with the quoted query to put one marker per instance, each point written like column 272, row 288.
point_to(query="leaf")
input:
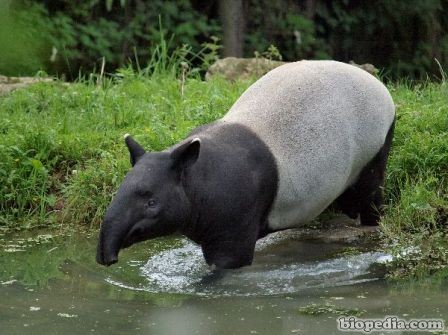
column 37, row 164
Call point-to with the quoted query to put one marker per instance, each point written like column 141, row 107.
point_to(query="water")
column 280, row 268
column 51, row 285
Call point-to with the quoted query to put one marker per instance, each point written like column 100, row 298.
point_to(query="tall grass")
column 415, row 226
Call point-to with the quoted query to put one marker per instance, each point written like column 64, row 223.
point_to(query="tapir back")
column 323, row 122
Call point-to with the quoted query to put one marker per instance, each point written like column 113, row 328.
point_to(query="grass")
column 62, row 155
column 328, row 308
column 415, row 227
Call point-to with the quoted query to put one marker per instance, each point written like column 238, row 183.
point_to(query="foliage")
column 65, row 38
column 294, row 35
column 271, row 53
column 416, row 221
column 402, row 36
column 79, row 35
column 328, row 308
column 22, row 37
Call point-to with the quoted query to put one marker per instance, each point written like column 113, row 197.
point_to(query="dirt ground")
column 8, row 84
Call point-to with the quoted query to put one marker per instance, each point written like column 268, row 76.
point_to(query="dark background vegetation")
column 66, row 38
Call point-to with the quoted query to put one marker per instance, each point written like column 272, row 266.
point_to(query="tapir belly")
column 315, row 171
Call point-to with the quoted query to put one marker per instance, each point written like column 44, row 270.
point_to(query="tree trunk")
column 310, row 8
column 232, row 17
column 125, row 48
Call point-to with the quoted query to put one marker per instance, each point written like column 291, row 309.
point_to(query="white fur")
column 323, row 121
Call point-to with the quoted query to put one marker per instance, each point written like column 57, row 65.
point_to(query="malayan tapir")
column 306, row 135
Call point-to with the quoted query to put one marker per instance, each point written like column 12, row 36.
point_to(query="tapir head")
column 150, row 202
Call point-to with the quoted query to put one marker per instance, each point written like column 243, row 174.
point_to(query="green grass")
column 328, row 308
column 416, row 219
column 62, row 154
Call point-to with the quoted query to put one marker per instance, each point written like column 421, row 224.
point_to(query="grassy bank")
column 415, row 226
column 62, row 154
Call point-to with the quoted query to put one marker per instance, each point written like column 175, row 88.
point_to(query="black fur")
column 217, row 191
column 365, row 196
column 231, row 187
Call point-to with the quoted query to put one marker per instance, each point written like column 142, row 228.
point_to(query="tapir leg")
column 365, row 197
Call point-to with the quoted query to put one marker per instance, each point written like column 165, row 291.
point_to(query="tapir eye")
column 152, row 203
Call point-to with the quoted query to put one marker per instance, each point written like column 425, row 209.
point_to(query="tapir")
column 305, row 136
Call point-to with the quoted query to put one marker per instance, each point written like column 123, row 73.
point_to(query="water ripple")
column 183, row 270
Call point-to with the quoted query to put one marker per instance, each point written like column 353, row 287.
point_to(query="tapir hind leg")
column 365, row 197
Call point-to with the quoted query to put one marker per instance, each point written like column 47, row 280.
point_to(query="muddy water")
column 51, row 284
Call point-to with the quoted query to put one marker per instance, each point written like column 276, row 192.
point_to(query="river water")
column 50, row 284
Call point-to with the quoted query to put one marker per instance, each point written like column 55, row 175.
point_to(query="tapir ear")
column 186, row 153
column 135, row 150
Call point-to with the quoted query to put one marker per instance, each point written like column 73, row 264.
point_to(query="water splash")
column 274, row 271
column 176, row 270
